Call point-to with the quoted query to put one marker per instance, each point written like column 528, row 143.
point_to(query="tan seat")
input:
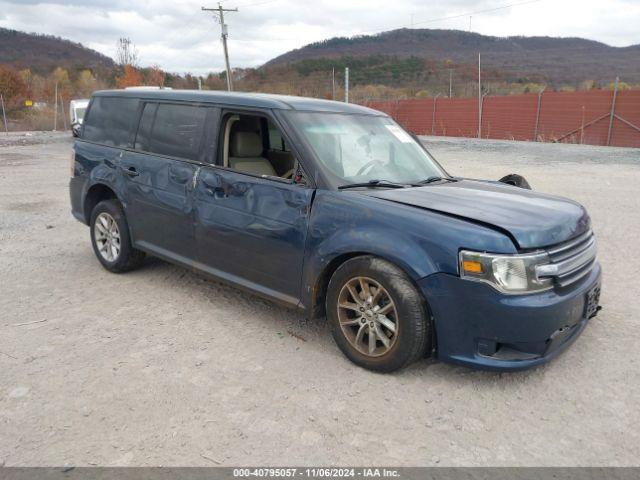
column 245, row 154
column 282, row 162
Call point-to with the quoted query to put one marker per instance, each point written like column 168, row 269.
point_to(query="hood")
column 532, row 219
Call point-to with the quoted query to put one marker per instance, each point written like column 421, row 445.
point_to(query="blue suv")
column 336, row 210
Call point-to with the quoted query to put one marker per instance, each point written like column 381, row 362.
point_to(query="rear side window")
column 110, row 120
column 171, row 129
column 146, row 123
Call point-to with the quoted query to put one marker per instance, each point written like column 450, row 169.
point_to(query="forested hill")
column 42, row 53
column 557, row 60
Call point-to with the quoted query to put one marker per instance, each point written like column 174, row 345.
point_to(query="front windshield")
column 361, row 148
column 80, row 113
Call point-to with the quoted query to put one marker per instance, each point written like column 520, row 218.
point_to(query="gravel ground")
column 164, row 367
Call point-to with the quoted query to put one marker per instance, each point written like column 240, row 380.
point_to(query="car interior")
column 254, row 145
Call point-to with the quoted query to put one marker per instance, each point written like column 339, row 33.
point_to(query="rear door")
column 159, row 177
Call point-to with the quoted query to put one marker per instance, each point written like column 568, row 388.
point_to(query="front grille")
column 571, row 260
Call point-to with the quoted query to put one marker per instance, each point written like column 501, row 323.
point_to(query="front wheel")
column 378, row 318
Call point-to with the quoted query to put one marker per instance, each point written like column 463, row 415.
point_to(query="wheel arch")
column 321, row 287
column 319, row 291
column 95, row 194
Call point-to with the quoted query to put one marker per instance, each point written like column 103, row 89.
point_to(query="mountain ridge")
column 559, row 59
column 42, row 53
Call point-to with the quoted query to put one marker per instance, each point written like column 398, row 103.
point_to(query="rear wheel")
column 110, row 238
column 378, row 318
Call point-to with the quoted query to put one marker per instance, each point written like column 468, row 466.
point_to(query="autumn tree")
column 532, row 87
column 61, row 77
column 621, row 86
column 214, row 81
column 130, row 77
column 27, row 77
column 586, row 85
column 85, row 84
column 127, row 60
column 154, row 76
column 12, row 87
column 126, row 53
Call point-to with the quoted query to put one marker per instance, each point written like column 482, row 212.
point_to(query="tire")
column 406, row 322
column 516, row 180
column 127, row 258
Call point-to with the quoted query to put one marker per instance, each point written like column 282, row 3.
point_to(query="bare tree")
column 126, row 52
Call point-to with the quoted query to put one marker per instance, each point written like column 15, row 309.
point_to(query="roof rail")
column 147, row 87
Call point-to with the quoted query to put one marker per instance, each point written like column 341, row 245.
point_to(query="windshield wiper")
column 373, row 183
column 436, row 179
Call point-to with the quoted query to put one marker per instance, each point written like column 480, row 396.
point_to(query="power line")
column 452, row 17
column 385, row 29
column 256, row 4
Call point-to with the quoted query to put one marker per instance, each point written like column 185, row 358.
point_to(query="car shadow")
column 312, row 333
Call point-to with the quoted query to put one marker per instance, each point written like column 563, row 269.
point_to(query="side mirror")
column 75, row 129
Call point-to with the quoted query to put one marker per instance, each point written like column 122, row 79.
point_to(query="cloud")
column 180, row 37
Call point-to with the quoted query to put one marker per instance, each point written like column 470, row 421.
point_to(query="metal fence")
column 596, row 117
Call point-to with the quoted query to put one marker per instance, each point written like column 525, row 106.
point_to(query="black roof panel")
column 256, row 100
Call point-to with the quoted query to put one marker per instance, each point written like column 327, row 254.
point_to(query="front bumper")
column 478, row 326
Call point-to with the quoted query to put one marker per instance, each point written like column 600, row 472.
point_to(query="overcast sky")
column 179, row 37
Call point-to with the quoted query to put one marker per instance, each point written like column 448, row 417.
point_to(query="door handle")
column 131, row 171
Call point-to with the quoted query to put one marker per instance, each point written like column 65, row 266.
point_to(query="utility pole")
column 535, row 132
column 613, row 110
column 479, row 99
column 64, row 115
column 450, row 83
column 223, row 27
column 346, row 84
column 333, row 83
column 433, row 118
column 55, row 115
column 4, row 115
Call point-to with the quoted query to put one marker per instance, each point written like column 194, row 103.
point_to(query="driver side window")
column 253, row 144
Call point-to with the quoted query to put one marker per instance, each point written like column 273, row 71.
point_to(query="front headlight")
column 507, row 273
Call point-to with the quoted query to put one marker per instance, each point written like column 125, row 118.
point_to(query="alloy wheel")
column 368, row 316
column 107, row 237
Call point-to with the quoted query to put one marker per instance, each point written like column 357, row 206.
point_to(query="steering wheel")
column 367, row 165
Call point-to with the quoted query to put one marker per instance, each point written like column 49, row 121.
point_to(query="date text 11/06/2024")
column 317, row 472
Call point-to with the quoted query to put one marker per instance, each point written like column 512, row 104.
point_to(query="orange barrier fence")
column 597, row 117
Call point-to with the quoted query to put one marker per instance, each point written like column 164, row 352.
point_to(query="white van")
column 76, row 114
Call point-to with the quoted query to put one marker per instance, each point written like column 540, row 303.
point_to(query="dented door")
column 252, row 230
column 160, row 205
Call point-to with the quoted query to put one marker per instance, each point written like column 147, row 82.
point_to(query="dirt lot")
column 164, row 367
